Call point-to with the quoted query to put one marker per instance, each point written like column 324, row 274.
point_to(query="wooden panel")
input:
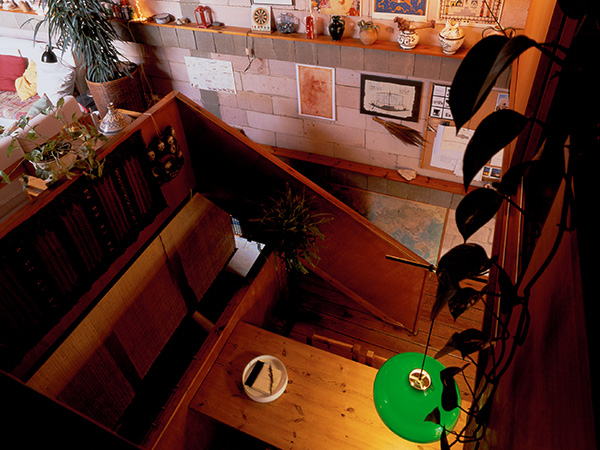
column 239, row 175
column 176, row 429
column 198, row 243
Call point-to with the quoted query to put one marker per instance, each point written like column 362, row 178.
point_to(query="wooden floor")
column 322, row 309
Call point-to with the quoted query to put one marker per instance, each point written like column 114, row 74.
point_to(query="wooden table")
column 328, row 403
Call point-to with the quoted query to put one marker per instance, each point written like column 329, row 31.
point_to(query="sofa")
column 28, row 84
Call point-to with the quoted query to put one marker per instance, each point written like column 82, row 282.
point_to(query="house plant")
column 408, row 38
column 291, row 228
column 551, row 165
column 73, row 148
column 85, row 29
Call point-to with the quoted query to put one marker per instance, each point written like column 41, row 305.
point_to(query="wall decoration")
column 273, row 2
column 409, row 9
column 337, row 7
column 472, row 11
column 210, row 74
column 261, row 19
column 390, row 97
column 164, row 156
column 316, row 91
column 439, row 107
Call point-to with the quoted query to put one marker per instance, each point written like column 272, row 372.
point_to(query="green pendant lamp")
column 407, row 388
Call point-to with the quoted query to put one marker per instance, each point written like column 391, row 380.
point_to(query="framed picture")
column 273, row 2
column 439, row 107
column 390, row 97
column 316, row 91
column 337, row 7
column 415, row 10
column 472, row 11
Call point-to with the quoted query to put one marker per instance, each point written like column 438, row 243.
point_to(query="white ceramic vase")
column 451, row 37
column 408, row 39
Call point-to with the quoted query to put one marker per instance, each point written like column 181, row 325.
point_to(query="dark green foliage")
column 476, row 209
column 81, row 25
column 291, row 228
column 494, row 133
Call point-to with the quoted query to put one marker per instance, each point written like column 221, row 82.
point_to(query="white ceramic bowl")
column 277, row 391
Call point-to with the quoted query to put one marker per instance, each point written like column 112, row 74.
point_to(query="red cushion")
column 11, row 68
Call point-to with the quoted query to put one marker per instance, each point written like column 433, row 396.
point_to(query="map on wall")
column 415, row 8
column 337, row 7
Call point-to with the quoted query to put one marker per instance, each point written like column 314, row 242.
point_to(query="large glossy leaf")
column 494, row 133
column 508, row 291
column 470, row 77
column 462, row 300
column 510, row 51
column 446, row 289
column 463, row 261
column 466, row 342
column 476, row 209
column 449, row 394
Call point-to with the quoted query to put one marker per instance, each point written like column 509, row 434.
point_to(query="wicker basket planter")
column 126, row 93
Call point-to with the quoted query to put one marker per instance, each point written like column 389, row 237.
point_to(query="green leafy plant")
column 81, row 25
column 71, row 150
column 292, row 229
column 563, row 132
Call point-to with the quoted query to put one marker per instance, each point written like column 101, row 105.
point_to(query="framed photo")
column 415, row 10
column 337, row 7
column 390, row 97
column 273, row 2
column 439, row 107
column 472, row 11
column 316, row 91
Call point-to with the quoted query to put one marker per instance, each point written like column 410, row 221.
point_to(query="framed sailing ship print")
column 390, row 97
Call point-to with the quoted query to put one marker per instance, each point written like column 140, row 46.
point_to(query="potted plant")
column 291, row 228
column 73, row 148
column 85, row 29
column 368, row 32
column 408, row 37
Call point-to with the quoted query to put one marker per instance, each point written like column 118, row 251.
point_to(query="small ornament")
column 336, row 28
column 203, row 16
column 451, row 37
column 114, row 121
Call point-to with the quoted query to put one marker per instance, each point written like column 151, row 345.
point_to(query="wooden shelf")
column 390, row 46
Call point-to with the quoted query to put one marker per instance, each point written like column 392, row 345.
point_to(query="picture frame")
column 273, row 2
column 390, row 97
column 337, row 8
column 414, row 10
column 476, row 12
column 316, row 91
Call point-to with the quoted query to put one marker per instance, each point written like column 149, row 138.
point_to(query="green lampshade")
column 402, row 407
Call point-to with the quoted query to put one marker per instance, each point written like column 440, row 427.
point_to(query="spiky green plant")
column 82, row 26
column 291, row 227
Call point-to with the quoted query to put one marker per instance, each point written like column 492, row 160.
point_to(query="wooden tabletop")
column 328, row 403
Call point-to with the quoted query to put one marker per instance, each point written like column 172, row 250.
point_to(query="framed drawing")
column 409, row 9
column 472, row 11
column 273, row 2
column 390, row 97
column 316, row 91
column 337, row 7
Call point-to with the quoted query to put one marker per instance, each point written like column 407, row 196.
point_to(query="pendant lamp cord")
column 427, row 346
